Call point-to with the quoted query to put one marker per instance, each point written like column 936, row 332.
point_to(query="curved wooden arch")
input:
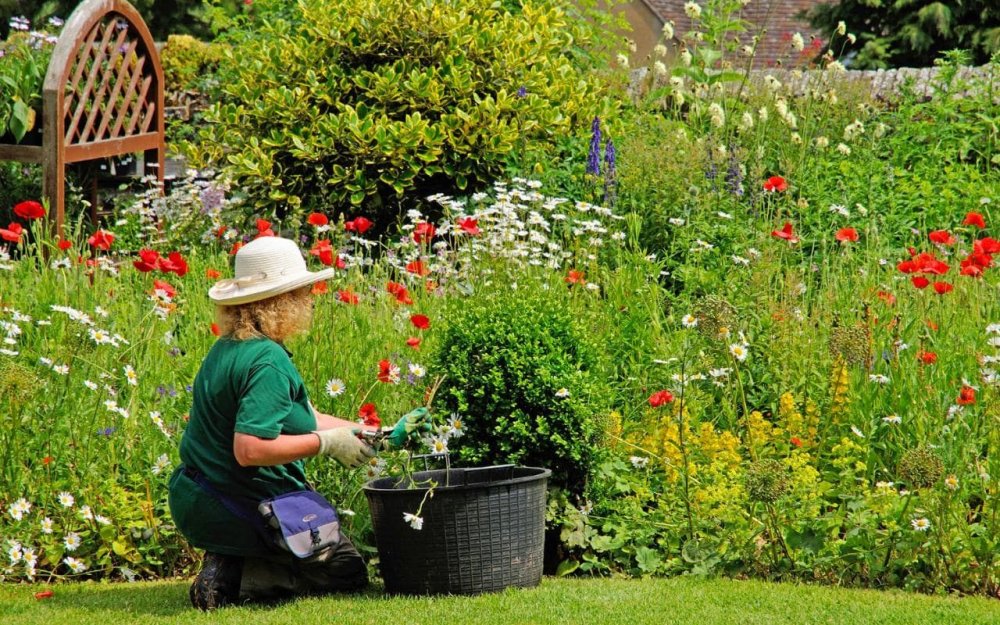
column 102, row 97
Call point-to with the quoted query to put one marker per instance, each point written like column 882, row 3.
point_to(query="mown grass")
column 562, row 601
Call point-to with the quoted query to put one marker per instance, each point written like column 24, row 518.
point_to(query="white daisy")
column 72, row 541
column 335, row 387
column 563, row 392
column 415, row 522
column 689, row 321
column 77, row 566
column 130, row 375
column 66, row 499
column 921, row 524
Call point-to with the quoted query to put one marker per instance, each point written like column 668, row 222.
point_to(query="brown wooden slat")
column 99, row 103
column 123, row 113
column 89, row 86
column 22, row 153
column 139, row 103
column 149, row 116
column 84, row 53
column 123, row 74
column 112, row 147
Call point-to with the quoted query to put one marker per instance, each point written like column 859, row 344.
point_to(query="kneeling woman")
column 251, row 426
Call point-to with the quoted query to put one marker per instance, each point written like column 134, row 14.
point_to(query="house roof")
column 779, row 18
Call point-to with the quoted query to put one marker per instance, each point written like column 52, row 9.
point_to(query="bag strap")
column 243, row 511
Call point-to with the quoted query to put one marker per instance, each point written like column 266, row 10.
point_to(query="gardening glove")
column 344, row 445
column 415, row 421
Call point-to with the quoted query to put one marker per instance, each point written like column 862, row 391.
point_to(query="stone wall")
column 883, row 84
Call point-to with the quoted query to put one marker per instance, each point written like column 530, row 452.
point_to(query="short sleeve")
column 265, row 403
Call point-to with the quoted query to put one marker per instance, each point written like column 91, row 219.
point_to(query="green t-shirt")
column 253, row 388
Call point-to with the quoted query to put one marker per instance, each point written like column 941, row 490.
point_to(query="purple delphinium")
column 594, row 158
column 522, row 92
column 211, row 198
column 610, row 158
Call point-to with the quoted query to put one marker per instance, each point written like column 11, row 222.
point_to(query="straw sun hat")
column 265, row 267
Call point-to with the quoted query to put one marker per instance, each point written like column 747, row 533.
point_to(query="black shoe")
column 218, row 583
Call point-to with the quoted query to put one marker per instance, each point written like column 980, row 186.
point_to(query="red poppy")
column 927, row 358
column 424, row 232
column 418, row 267
column 47, row 460
column 358, row 224
column 148, row 260
column 215, row 329
column 235, row 248
column 847, row 235
column 974, row 219
column 166, row 287
column 785, row 233
column 338, row 262
column 971, row 269
column 887, row 297
column 966, row 396
column 920, row 282
column 347, row 296
column 386, row 372
column 64, row 245
column 430, row 286
column 12, row 233
column 421, row 322
column 322, row 250
column 368, row 414
column 469, row 226
column 986, row 245
column 796, row 441
column 264, row 228
column 102, row 240
column 29, row 209
column 221, row 230
column 775, row 183
column 923, row 263
column 942, row 287
column 179, row 265
column 319, row 288
column 941, row 237
column 575, row 277
column 212, row 274
column 317, row 219
column 399, row 292
column 413, row 342
column 659, row 398
column 930, row 324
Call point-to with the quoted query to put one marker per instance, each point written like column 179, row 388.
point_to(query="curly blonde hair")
column 277, row 317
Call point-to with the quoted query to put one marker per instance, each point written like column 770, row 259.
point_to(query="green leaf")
column 648, row 559
column 566, row 567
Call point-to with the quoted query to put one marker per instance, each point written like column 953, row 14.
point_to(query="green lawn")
column 557, row 601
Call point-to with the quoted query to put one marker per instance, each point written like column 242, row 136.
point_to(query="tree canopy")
column 908, row 33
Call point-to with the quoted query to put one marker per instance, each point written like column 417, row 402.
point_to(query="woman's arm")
column 328, row 422
column 253, row 451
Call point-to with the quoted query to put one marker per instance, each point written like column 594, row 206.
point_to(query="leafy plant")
column 24, row 60
column 356, row 105
column 520, row 372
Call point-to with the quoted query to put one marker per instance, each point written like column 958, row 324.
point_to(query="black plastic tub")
column 483, row 530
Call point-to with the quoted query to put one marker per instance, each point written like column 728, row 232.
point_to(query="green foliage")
column 908, row 34
column 24, row 60
column 186, row 61
column 356, row 104
column 163, row 17
column 509, row 361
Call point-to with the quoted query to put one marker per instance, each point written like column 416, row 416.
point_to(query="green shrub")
column 347, row 103
column 185, row 60
column 507, row 358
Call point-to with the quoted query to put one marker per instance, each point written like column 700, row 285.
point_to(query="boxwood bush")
column 340, row 104
column 526, row 380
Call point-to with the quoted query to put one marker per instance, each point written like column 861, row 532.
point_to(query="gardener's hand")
column 415, row 421
column 344, row 445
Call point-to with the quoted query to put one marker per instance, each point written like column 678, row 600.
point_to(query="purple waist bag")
column 305, row 521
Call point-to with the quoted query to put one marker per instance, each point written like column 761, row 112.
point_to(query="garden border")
column 102, row 97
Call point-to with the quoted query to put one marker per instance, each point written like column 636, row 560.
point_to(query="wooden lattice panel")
column 108, row 85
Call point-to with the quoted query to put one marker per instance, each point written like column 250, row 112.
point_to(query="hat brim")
column 235, row 295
